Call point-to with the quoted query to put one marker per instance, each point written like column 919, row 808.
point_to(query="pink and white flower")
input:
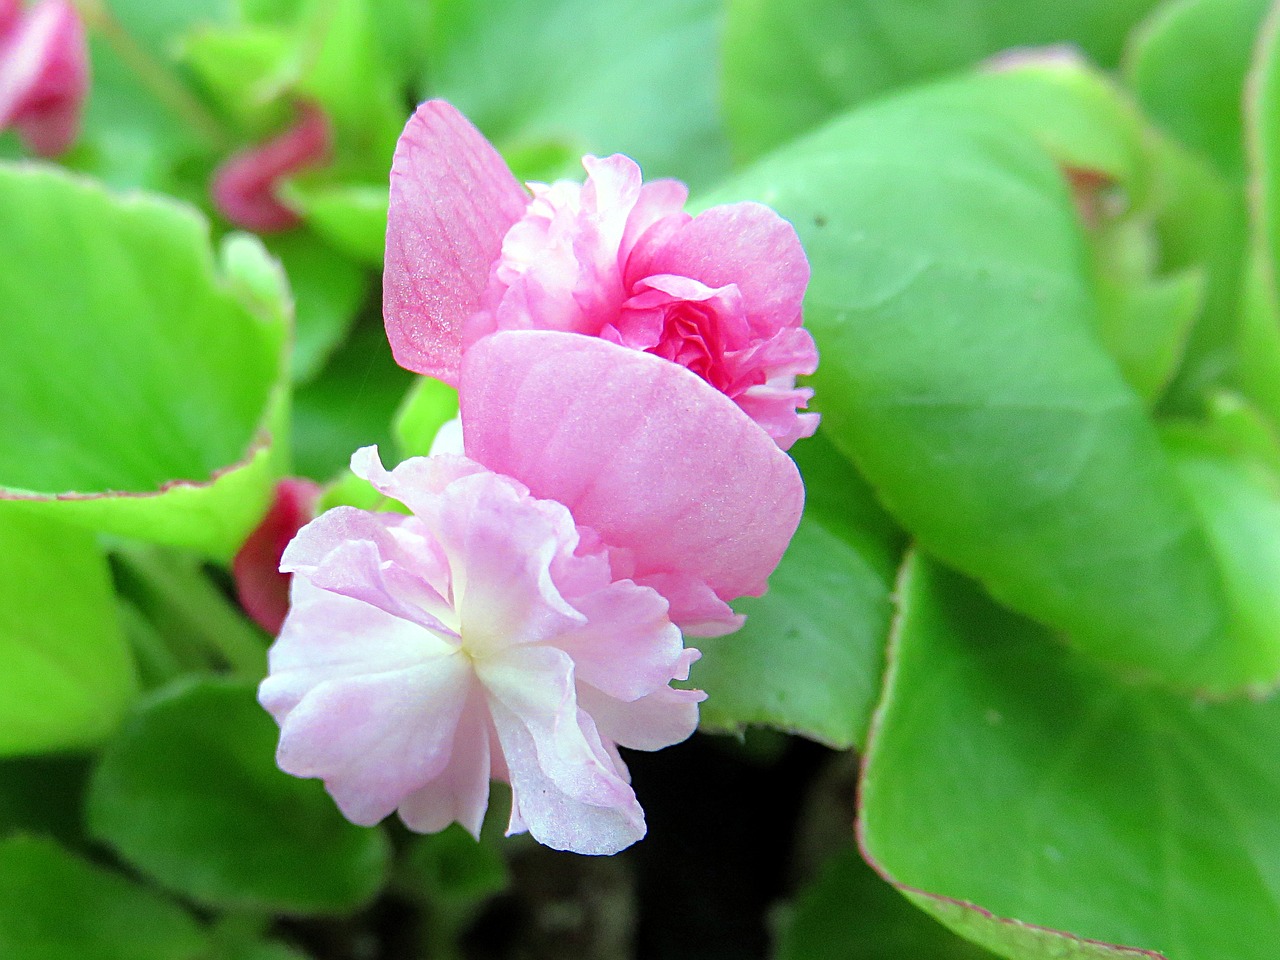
column 44, row 74
column 525, row 620
column 471, row 252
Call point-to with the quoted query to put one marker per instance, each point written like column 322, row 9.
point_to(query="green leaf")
column 1007, row 774
column 641, row 79
column 68, row 676
column 453, row 869
column 141, row 391
column 963, row 374
column 189, row 794
column 42, row 795
column 1187, row 65
column 328, row 292
column 55, row 906
column 809, row 657
column 790, row 66
column 848, row 913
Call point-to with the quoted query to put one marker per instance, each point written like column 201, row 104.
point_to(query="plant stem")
column 181, row 594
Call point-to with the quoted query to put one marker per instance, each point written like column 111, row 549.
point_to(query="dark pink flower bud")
column 246, row 186
column 44, row 74
column 263, row 590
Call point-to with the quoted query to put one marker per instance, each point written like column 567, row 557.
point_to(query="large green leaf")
column 631, row 76
column 809, row 657
column 790, row 66
column 68, row 676
column 963, row 373
column 190, row 795
column 140, row 384
column 848, row 913
column 1187, row 66
column 55, row 906
column 1008, row 774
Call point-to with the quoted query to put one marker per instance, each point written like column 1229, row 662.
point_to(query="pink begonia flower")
column 263, row 590
column 246, row 186
column 44, row 74
column 470, row 252
column 516, row 626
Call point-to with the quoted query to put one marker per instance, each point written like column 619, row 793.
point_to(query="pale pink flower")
column 246, row 187
column 44, row 74
column 263, row 590
column 522, row 622
column 470, row 252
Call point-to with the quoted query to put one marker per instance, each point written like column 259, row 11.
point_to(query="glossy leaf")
column 963, row 374
column 1018, row 790
column 140, row 388
column 790, row 66
column 848, row 913
column 190, row 795
column 56, row 906
column 68, row 676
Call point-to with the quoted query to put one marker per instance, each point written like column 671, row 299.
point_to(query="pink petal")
column 263, row 590
column 44, row 75
column 461, row 792
column 747, row 244
column 571, row 795
column 329, row 636
column 380, row 559
column 245, row 187
column 628, row 647
column 663, row 718
column 643, row 451
column 452, row 200
column 376, row 738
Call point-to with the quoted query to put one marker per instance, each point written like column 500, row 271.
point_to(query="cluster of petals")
column 246, row 186
column 525, row 618
column 470, row 252
column 44, row 74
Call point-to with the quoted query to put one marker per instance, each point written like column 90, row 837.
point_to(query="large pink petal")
column 648, row 454
column 452, row 200
column 747, row 244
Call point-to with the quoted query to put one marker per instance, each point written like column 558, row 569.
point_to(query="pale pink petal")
column 379, row 559
column 417, row 481
column 694, row 605
column 663, row 718
column 627, row 647
column 329, row 636
column 501, row 545
column 452, row 200
column 44, row 75
column 747, row 244
column 461, row 791
column 376, row 738
column 448, row 439
column 246, row 187
column 571, row 794
column 643, row 451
